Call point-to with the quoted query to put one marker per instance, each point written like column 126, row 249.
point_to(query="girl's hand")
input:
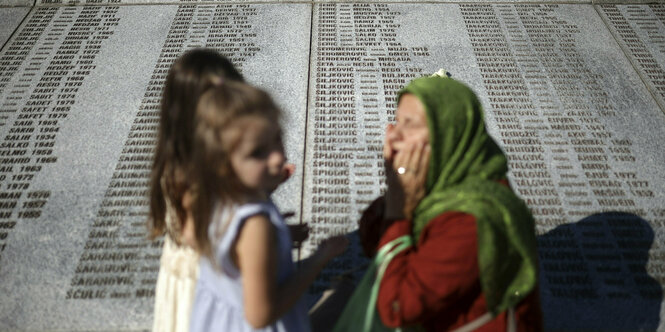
column 406, row 172
column 299, row 233
column 288, row 171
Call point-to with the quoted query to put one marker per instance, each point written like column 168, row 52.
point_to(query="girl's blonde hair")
column 190, row 76
column 217, row 132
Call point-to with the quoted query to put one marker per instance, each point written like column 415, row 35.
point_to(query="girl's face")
column 410, row 128
column 258, row 159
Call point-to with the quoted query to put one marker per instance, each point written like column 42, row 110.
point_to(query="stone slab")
column 11, row 18
column 134, row 2
column 140, row 2
column 582, row 133
column 624, row 2
column 77, row 119
column 16, row 3
column 640, row 30
column 572, row 111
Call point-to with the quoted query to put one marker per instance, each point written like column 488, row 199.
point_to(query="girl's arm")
column 256, row 257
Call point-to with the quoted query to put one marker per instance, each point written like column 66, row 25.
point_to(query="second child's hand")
column 299, row 233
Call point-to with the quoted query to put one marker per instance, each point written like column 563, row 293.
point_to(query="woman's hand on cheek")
column 388, row 158
column 394, row 197
column 407, row 189
column 414, row 180
column 387, row 144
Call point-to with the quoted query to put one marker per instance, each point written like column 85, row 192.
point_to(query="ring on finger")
column 401, row 170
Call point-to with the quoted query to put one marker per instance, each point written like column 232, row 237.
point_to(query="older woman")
column 456, row 247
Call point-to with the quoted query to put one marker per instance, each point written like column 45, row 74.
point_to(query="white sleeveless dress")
column 218, row 304
column 176, row 282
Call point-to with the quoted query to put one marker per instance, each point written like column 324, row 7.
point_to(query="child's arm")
column 188, row 234
column 256, row 257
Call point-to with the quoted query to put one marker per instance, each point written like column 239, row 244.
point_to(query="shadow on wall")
column 336, row 288
column 593, row 275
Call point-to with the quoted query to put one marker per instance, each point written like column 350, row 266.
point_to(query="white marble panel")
column 77, row 128
column 581, row 131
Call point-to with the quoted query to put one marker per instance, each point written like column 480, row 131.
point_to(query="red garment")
column 436, row 283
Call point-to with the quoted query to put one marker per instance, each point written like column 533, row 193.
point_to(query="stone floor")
column 573, row 91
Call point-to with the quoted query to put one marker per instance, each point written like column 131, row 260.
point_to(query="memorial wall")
column 11, row 18
column 80, row 111
column 573, row 93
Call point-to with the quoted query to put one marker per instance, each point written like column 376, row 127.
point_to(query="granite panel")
column 11, row 3
column 624, row 2
column 77, row 121
column 640, row 30
column 578, row 114
column 139, row 2
column 580, row 129
column 11, row 18
column 16, row 3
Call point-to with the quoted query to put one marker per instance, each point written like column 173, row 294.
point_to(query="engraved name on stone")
column 552, row 112
column 36, row 101
column 640, row 29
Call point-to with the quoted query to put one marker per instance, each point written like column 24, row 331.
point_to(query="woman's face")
column 410, row 128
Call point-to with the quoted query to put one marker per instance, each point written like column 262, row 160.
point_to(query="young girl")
column 247, row 279
column 189, row 77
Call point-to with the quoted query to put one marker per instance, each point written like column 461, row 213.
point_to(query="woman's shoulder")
column 454, row 216
column 450, row 223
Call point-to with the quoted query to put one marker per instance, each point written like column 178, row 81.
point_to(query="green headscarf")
column 464, row 167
